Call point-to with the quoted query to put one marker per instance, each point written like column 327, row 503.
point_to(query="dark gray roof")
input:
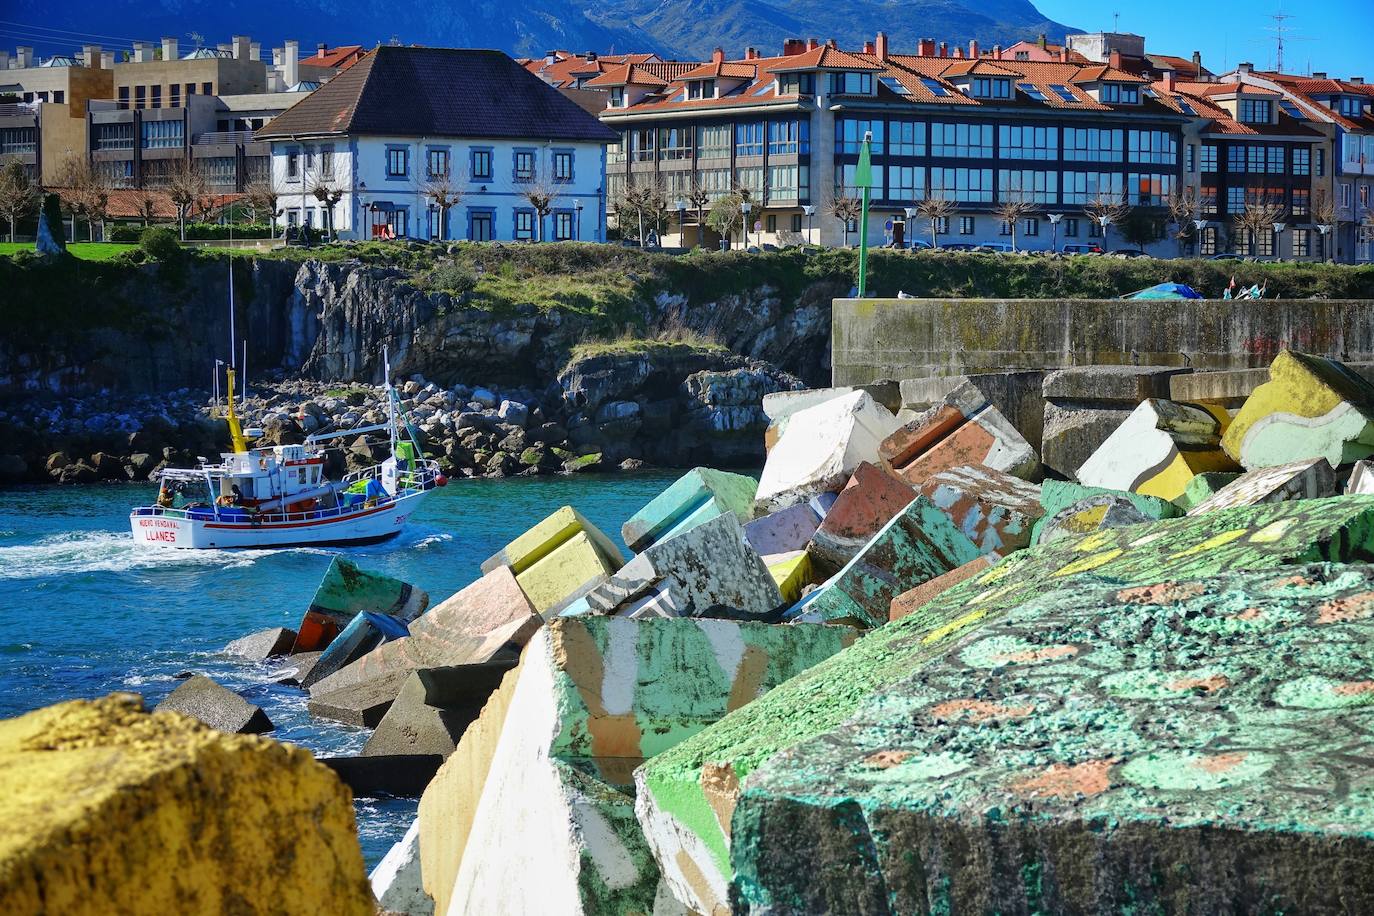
column 438, row 92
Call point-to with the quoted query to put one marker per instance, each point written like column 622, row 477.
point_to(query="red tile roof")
column 825, row 58
column 340, row 58
column 127, row 203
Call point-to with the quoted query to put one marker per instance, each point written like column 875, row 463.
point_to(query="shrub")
column 195, row 232
column 450, row 277
column 159, row 243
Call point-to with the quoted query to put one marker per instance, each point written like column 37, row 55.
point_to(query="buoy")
column 441, row 481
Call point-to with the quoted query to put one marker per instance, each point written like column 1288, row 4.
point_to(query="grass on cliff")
column 670, row 336
column 86, row 251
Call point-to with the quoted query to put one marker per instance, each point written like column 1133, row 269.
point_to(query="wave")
column 76, row 552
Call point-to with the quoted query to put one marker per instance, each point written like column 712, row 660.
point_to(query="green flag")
column 863, row 173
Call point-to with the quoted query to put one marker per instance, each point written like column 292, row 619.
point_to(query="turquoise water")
column 85, row 612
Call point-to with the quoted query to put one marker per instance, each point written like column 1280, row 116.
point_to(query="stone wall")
column 911, row 338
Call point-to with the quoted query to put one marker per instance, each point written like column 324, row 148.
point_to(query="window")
column 967, row 185
column 1070, row 227
column 1028, row 142
column 1256, row 111
column 986, row 87
column 1085, row 187
column 1302, row 198
column 1273, row 160
column 1209, row 200
column 562, row 166
column 906, row 138
column 1209, row 157
column 713, row 141
column 1004, row 228
column 524, row 165
column 293, row 165
column 190, row 89
column 1028, row 185
column 849, row 135
column 174, row 95
column 162, row 134
column 1094, row 229
column 770, row 223
column 617, row 99
column 1148, row 190
column 156, row 97
column 436, row 163
column 1350, row 106
column 785, row 137
column 108, row 136
column 1092, row 144
column 1065, row 94
column 1302, row 160
column 936, row 87
column 751, row 180
column 701, row 89
column 1266, row 243
column 1209, row 240
column 1190, row 159
column 1155, row 147
column 851, row 84
column 563, row 226
column 788, row 182
column 891, row 84
column 615, row 153
column 397, row 162
column 715, row 182
column 971, row 141
column 293, row 218
column 16, row 140
column 1120, row 94
column 966, row 225
column 140, row 96
column 642, row 144
column 797, row 84
column 796, row 222
column 123, row 96
column 327, row 162
column 1027, row 88
column 1302, row 243
column 906, row 183
column 1031, row 226
column 481, row 165
column 219, row 170
column 524, row 225
column 749, row 139
column 119, row 173
column 1343, row 195
column 207, row 88
column 1235, row 200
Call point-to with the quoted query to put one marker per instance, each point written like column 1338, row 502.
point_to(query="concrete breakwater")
column 900, row 672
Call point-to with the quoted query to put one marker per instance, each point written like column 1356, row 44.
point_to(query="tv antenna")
column 197, row 38
column 1282, row 34
column 1116, row 22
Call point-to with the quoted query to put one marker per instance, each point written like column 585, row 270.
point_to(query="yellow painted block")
column 564, row 573
column 1172, row 481
column 792, row 572
column 105, row 808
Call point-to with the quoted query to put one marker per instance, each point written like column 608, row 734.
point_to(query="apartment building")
column 971, row 128
column 46, row 119
column 392, row 129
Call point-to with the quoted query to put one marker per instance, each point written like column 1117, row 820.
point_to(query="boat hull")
column 364, row 526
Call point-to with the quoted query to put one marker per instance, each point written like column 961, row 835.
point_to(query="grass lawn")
column 88, row 251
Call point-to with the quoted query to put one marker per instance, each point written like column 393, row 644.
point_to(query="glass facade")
column 961, row 141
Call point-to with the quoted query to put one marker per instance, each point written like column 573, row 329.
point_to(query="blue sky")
column 1330, row 35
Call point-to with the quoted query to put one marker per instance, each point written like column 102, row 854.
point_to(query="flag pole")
column 863, row 177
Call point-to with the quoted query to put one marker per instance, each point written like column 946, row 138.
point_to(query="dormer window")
column 617, row 97
column 851, row 84
column 797, row 84
column 988, row 87
column 701, row 89
column 1256, row 111
column 1350, row 106
column 1120, row 94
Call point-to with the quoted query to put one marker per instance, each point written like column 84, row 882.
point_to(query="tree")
column 445, row 191
column 643, row 200
column 186, row 185
column 698, row 197
column 936, row 210
column 325, row 191
column 726, row 215
column 1183, row 208
column 1324, row 214
column 846, row 206
column 147, row 207
column 1014, row 207
column 540, row 195
column 1259, row 215
column 73, row 177
column 260, row 199
column 18, row 192
column 1140, row 229
column 1105, row 210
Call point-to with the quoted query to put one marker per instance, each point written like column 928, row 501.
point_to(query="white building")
column 404, row 130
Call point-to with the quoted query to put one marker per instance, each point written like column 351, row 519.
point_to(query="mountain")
column 675, row 28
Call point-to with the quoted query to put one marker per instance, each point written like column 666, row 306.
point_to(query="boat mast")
column 390, row 398
column 238, row 443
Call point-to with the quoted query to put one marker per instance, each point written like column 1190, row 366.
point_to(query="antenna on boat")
column 240, row 445
column 390, row 396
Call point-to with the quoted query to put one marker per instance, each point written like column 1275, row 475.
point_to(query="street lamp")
column 744, row 208
column 1199, row 225
column 810, row 211
column 682, row 220
column 577, row 229
column 1325, row 229
column 1278, row 235
column 1104, row 221
column 1054, row 219
column 910, row 219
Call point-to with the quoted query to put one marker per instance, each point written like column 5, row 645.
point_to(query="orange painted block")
column 923, row 594
column 314, row 632
column 920, row 434
column 873, row 496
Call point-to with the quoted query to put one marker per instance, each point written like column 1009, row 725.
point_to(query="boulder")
column 296, row 668
column 485, row 398
column 107, row 466
column 100, row 799
column 873, row 495
column 964, row 430
column 262, row 645
column 558, row 560
column 346, row 589
column 1306, row 478
column 396, row 881
column 414, row 726
column 697, row 496
column 216, row 706
column 1159, row 448
column 141, row 465
column 996, row 511
column 13, row 468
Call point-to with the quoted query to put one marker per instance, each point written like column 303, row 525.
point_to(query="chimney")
column 812, row 44
column 1319, row 75
column 107, row 60
column 225, row 47
column 291, row 63
column 1114, row 60
column 1197, row 62
column 792, row 46
column 1043, row 40
column 90, row 56
column 1064, row 55
column 1168, row 78
column 255, row 51
column 996, row 52
column 880, row 46
column 925, row 47
column 751, row 53
column 322, row 47
column 142, row 53
column 868, row 47
column 718, row 56
column 830, row 43
column 4, row 60
column 1246, row 67
column 550, row 58
column 959, row 53
column 973, row 48
column 241, row 43
column 591, row 56
column 169, row 48
column 944, row 49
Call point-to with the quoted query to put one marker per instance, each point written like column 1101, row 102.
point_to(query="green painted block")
column 1203, row 486
column 344, row 590
column 697, row 496
column 1057, row 495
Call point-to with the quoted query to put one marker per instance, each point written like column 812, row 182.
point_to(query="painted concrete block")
column 1311, row 407
column 1016, row 393
column 1307, row 478
column 413, row 726
column 873, row 495
column 701, row 572
column 396, row 880
column 108, row 809
column 1159, row 448
column 994, row 510
column 909, row 602
column 486, row 618
column 687, row 794
column 918, row 544
column 216, row 706
column 1074, row 431
column 1138, row 745
column 1361, row 479
column 262, row 645
column 820, row 448
column 1204, row 486
column 1100, row 511
column 365, row 632
column 391, row 775
column 783, row 531
column 964, row 430
column 792, row 572
column 779, row 406
column 558, row 560
column 697, row 496
column 343, row 592
column 1094, row 384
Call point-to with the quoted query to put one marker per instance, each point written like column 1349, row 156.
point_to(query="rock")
column 344, row 590
column 99, row 798
column 216, row 706
column 297, row 668
column 1094, row 384
column 484, row 398
column 1311, row 407
column 1307, row 478
column 262, row 645
column 514, row 413
column 631, row 464
column 1073, row 510
column 996, row 511
column 1202, row 487
column 396, row 881
column 558, row 560
column 588, row 462
column 13, row 469
column 398, row 776
column 141, row 465
column 868, row 502
column 698, row 496
column 964, row 430
column 56, row 462
column 1160, row 447
column 80, row 472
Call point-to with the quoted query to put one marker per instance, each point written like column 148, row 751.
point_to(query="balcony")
column 214, row 137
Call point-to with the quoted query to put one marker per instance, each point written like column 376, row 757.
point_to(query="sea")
column 84, row 612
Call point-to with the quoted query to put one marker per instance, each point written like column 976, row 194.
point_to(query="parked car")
column 1081, row 249
column 917, row 243
column 995, row 248
column 959, row 246
column 1227, row 256
column 1130, row 253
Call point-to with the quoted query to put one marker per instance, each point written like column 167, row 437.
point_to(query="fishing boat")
column 279, row 495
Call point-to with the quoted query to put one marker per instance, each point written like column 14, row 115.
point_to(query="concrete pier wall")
column 914, row 338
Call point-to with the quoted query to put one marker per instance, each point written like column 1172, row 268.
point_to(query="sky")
column 1334, row 36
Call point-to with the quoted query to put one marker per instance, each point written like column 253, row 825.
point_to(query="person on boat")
column 165, row 496
column 233, row 498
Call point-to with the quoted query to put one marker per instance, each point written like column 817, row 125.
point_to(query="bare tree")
column 1258, row 216
column 541, row 196
column 936, row 210
column 445, row 191
column 698, row 197
column 1324, row 214
column 18, row 192
column 260, row 199
column 328, row 194
column 845, row 205
column 644, row 200
column 1014, row 207
column 147, row 207
column 1107, row 210
column 1184, row 205
column 96, row 194
column 186, row 185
